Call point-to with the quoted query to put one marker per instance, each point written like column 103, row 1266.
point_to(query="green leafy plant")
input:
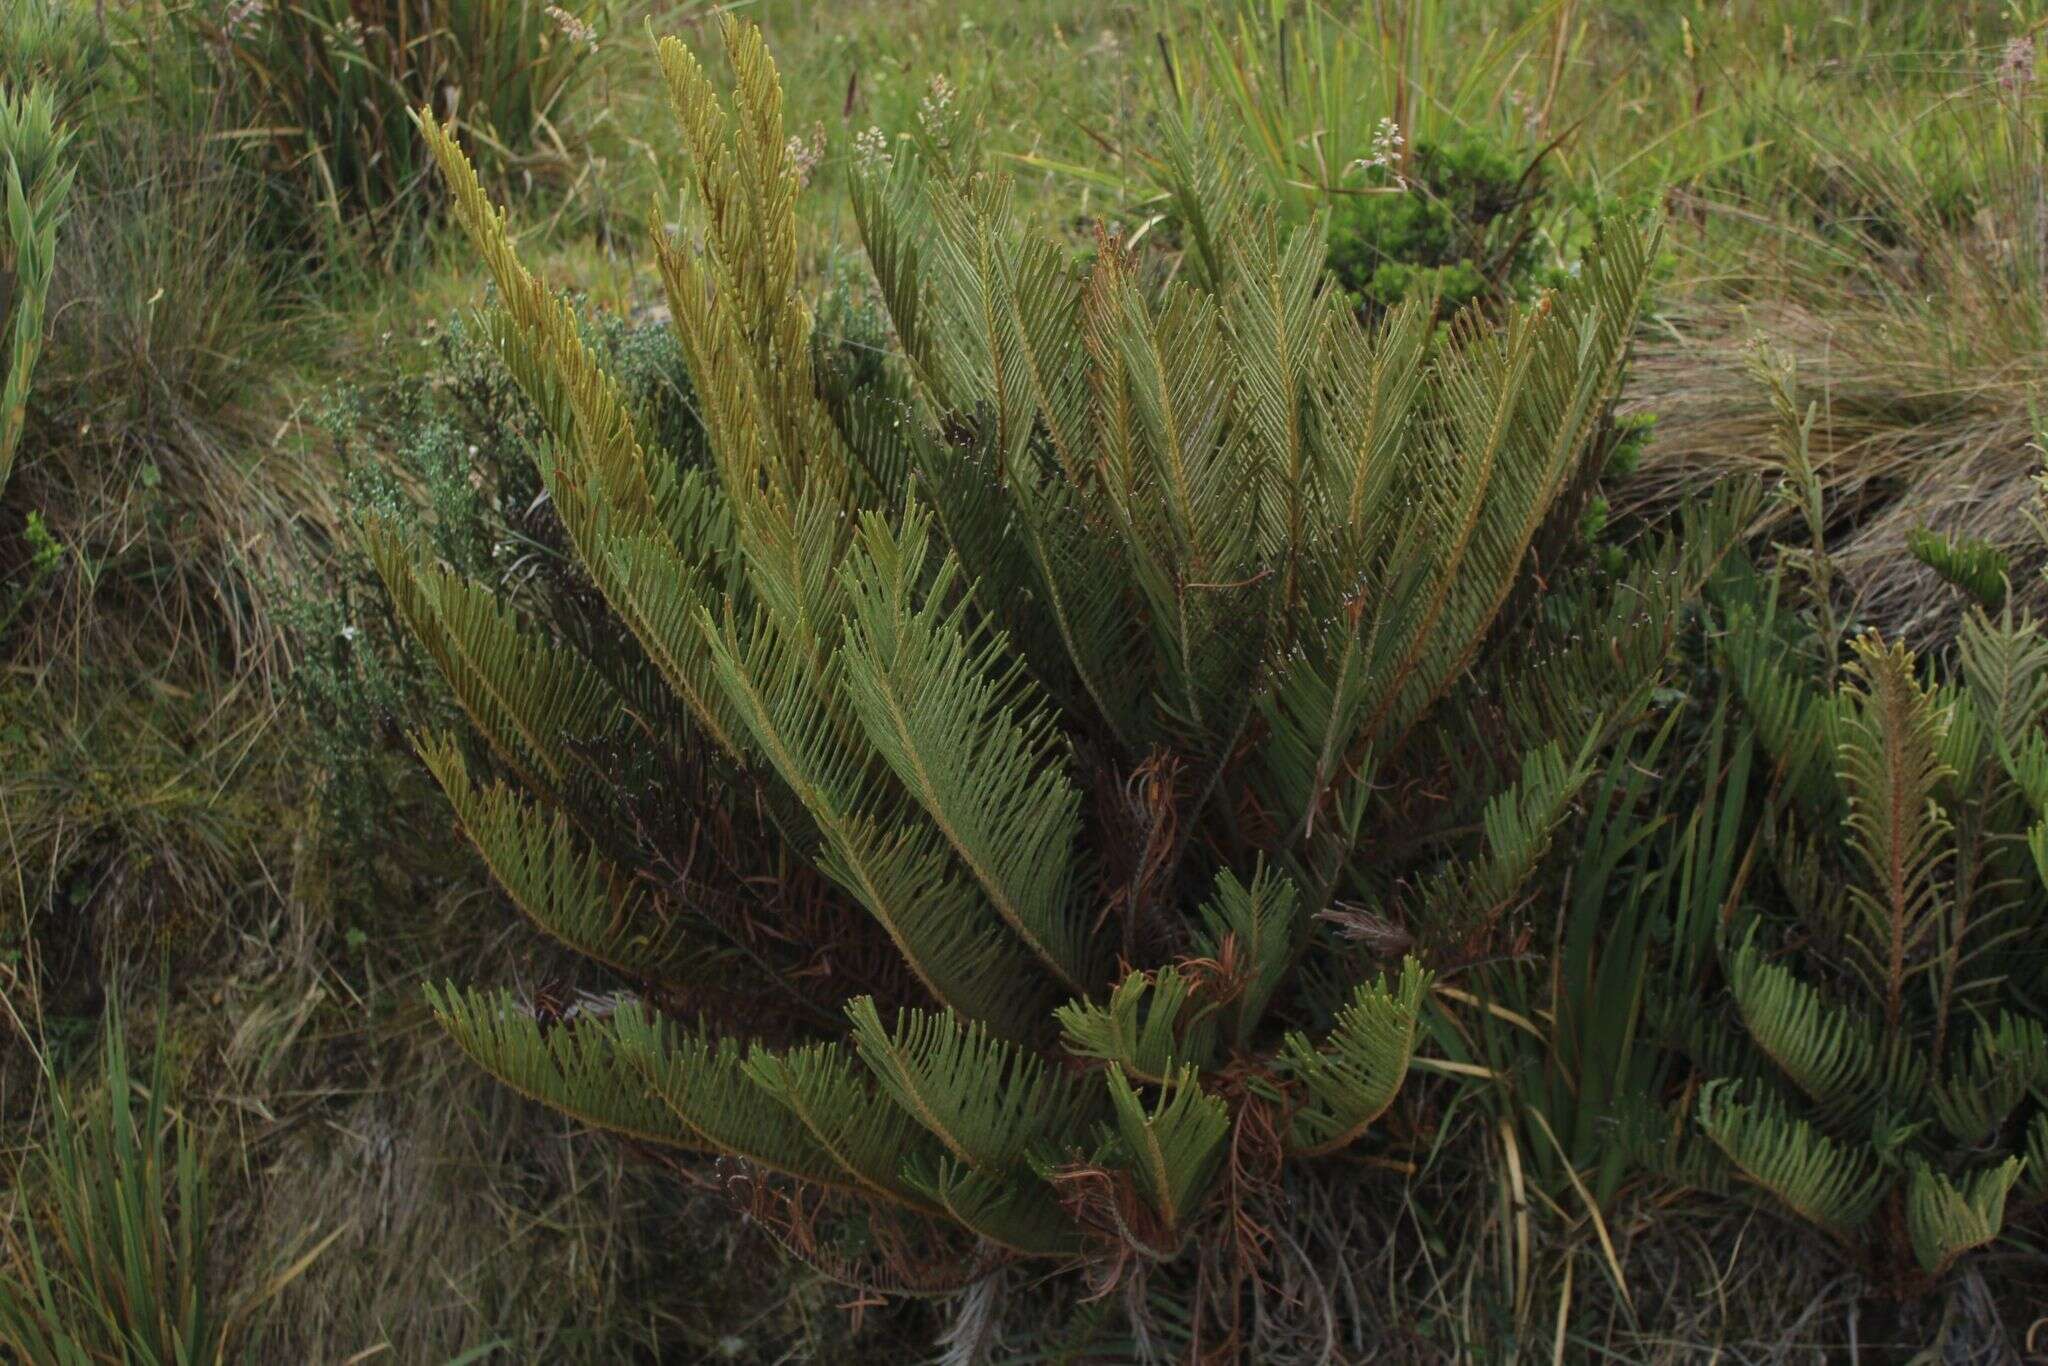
column 1882, row 1069
column 1458, row 223
column 993, row 777
column 38, row 179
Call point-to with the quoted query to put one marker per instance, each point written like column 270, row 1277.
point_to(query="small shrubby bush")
column 1458, row 222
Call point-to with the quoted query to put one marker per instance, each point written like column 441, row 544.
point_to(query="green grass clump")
column 321, row 90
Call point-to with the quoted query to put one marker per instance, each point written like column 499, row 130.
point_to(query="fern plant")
column 998, row 783
column 1881, row 1069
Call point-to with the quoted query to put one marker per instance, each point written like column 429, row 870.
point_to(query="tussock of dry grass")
column 1900, row 261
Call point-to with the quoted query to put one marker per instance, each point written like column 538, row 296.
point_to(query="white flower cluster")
column 1385, row 153
column 806, row 155
column 935, row 112
column 576, row 30
column 241, row 16
column 871, row 150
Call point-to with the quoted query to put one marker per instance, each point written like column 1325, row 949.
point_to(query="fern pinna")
column 984, row 772
column 1881, row 1069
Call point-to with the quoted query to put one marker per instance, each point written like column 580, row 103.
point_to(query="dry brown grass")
column 1900, row 262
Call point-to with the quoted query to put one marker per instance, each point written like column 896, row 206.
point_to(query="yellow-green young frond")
column 530, row 698
column 861, row 1128
column 1827, row 1048
column 1015, row 1211
column 1891, row 765
column 1172, row 1150
column 1262, row 927
column 549, row 353
column 951, row 711
column 1817, row 1178
column 746, row 328
column 592, row 1070
column 1947, row 1220
column 985, row 1099
column 2003, row 1064
column 1349, row 1082
column 1146, row 1028
column 563, row 885
column 706, row 1090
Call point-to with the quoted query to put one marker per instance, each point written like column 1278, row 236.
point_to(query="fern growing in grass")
column 984, row 764
column 1882, row 1068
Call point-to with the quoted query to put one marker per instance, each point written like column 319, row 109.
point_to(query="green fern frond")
column 869, row 1137
column 532, row 699
column 1520, row 824
column 955, row 718
column 1826, row 1048
column 1818, row 1179
column 1975, row 566
column 706, row 1087
column 2036, row 1154
column 1349, row 1081
column 1173, row 1149
column 2004, row 1063
column 1258, row 930
column 572, row 893
column 1013, row 1212
column 986, row 1100
column 1946, row 1221
column 1146, row 1027
column 592, row 1071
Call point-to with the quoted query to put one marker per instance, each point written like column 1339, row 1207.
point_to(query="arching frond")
column 1172, row 1149
column 1822, row 1181
column 1147, row 1027
column 2004, row 1063
column 564, row 886
column 870, row 1138
column 1946, row 1220
column 1824, row 1047
column 952, row 714
column 531, row 698
column 1350, row 1080
column 986, row 1100
column 592, row 1071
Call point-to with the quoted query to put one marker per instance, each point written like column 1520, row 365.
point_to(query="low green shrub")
column 1457, row 221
